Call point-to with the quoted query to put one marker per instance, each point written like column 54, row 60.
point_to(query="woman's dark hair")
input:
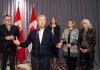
column 51, row 19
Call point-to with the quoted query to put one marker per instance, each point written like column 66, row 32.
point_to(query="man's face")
column 8, row 20
column 41, row 22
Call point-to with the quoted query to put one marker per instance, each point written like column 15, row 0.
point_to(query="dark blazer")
column 56, row 32
column 90, row 39
column 44, row 47
column 4, row 43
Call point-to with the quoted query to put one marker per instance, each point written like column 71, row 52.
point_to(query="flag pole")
column 18, row 3
column 20, row 52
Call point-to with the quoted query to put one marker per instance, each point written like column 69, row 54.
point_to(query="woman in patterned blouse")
column 69, row 45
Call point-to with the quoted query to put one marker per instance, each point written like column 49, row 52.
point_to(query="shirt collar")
column 42, row 29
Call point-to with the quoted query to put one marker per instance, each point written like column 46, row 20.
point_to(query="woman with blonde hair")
column 87, row 41
column 69, row 45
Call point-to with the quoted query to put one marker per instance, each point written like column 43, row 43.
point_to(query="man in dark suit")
column 8, row 48
column 41, row 39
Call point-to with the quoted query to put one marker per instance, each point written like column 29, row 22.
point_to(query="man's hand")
column 16, row 42
column 11, row 37
column 8, row 37
column 59, row 45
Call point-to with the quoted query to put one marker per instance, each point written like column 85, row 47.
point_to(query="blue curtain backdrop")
column 62, row 10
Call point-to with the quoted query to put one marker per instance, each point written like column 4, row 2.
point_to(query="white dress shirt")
column 8, row 27
column 41, row 31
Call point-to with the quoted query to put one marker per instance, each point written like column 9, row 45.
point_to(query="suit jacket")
column 56, row 32
column 4, row 44
column 44, row 47
column 90, row 39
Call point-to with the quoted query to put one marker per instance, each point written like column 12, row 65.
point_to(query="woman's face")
column 70, row 24
column 84, row 24
column 53, row 21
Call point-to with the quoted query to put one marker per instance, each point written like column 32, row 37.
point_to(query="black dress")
column 56, row 34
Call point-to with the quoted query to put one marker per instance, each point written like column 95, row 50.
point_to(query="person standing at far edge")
column 8, row 49
column 70, row 45
column 55, row 29
column 87, row 41
column 41, row 39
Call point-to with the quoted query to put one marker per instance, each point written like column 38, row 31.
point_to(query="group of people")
column 46, row 43
column 78, row 43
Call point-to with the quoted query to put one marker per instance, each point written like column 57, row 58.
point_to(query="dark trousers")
column 43, row 63
column 87, row 60
column 71, row 62
column 8, row 54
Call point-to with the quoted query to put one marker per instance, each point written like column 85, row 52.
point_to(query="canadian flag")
column 32, row 26
column 20, row 53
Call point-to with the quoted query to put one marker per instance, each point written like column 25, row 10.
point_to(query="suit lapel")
column 44, row 35
column 11, row 30
column 37, row 37
column 5, row 28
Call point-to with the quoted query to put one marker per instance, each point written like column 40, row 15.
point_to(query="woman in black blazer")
column 87, row 41
column 55, row 29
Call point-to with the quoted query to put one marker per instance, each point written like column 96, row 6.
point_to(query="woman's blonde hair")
column 74, row 24
column 88, row 23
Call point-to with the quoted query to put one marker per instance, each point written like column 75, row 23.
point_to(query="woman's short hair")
column 74, row 24
column 88, row 22
column 41, row 16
